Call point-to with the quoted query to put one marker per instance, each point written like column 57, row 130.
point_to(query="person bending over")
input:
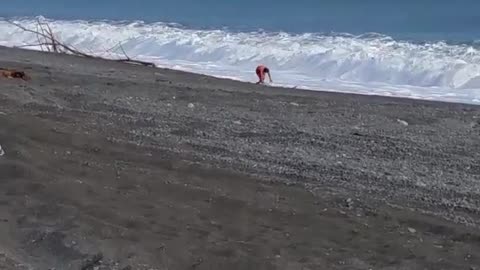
column 261, row 72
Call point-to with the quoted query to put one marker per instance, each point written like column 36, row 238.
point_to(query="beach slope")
column 116, row 166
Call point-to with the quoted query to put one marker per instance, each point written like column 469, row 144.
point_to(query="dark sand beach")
column 116, row 166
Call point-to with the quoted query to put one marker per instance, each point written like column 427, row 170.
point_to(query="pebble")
column 191, row 106
column 349, row 202
column 1, row 151
column 421, row 184
column 237, row 122
column 402, row 122
column 412, row 230
column 294, row 104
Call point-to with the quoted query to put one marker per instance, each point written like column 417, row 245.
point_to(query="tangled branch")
column 47, row 41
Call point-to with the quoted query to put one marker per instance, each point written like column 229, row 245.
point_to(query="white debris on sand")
column 405, row 123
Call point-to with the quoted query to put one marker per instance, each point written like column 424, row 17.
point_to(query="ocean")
column 428, row 49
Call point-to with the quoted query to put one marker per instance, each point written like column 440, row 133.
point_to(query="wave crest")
column 308, row 59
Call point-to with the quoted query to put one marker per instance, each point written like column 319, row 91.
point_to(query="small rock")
column 191, row 106
column 174, row 97
column 237, row 122
column 278, row 256
column 402, row 122
column 68, row 153
column 349, row 202
column 294, row 104
column 421, row 184
column 412, row 230
column 1, row 151
column 169, row 105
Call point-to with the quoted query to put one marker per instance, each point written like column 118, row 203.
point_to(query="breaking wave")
column 367, row 64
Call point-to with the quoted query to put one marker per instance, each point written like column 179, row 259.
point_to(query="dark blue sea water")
column 427, row 49
column 409, row 19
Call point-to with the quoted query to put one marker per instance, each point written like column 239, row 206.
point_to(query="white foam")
column 369, row 64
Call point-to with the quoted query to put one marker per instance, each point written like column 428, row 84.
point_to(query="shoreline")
column 158, row 168
column 295, row 89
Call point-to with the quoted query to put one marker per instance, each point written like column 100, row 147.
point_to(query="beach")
column 116, row 166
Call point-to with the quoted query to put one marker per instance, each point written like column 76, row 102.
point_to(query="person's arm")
column 270, row 77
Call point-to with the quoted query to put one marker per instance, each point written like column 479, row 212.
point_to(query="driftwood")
column 48, row 42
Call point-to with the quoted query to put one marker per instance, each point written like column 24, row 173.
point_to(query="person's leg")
column 259, row 75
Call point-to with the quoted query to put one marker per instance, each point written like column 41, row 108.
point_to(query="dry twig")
column 48, row 42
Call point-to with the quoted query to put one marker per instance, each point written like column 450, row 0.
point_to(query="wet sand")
column 115, row 166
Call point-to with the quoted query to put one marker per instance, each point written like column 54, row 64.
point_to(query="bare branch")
column 39, row 41
column 46, row 39
column 136, row 62
column 123, row 51
column 54, row 45
column 27, row 30
column 33, row 45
